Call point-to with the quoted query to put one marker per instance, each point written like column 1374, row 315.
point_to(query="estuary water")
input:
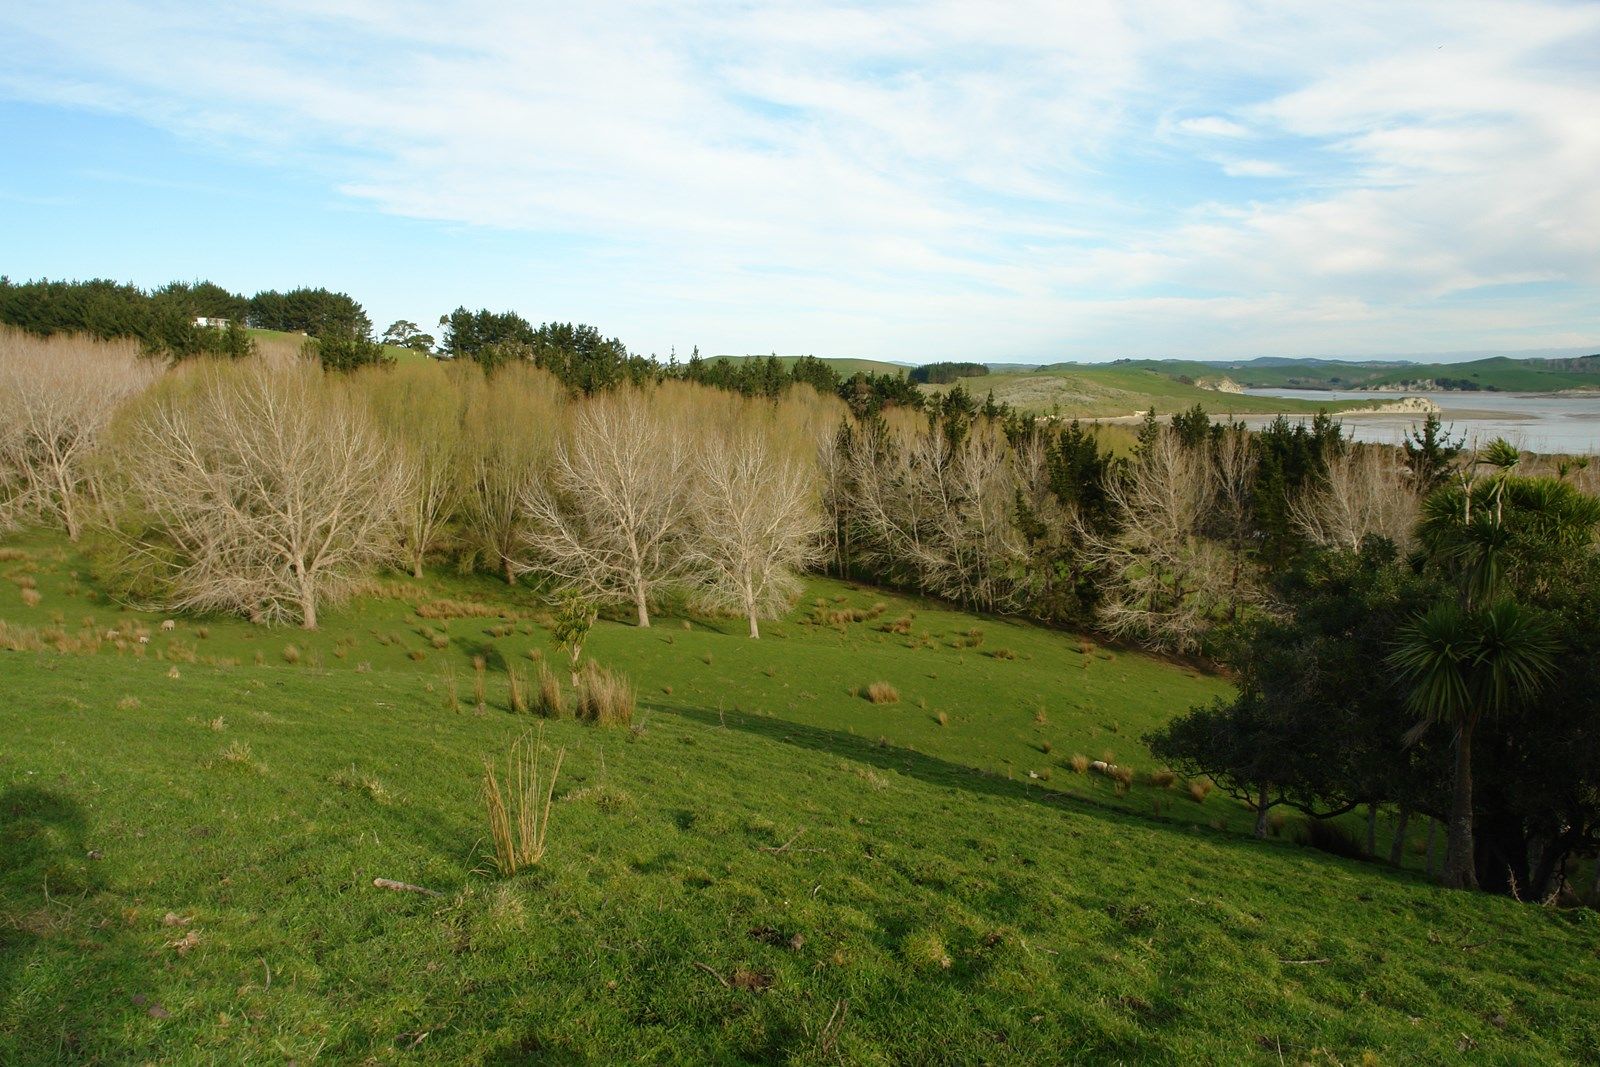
column 1536, row 422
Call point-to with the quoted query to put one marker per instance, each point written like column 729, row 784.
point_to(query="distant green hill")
column 1111, row 390
column 1500, row 373
column 845, row 367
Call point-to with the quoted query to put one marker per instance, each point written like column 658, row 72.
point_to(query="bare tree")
column 938, row 512
column 1368, row 491
column 510, row 422
column 1166, row 583
column 259, row 490
column 419, row 405
column 756, row 521
column 57, row 396
column 610, row 518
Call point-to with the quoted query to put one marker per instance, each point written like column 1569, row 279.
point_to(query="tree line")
column 1411, row 630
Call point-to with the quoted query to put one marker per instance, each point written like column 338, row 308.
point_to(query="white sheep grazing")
column 168, row 625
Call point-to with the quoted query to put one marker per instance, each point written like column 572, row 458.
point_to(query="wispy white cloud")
column 1005, row 180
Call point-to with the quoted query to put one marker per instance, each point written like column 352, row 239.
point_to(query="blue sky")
column 1000, row 181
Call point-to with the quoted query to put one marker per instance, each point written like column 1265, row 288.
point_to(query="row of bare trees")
column 1166, row 542
column 269, row 487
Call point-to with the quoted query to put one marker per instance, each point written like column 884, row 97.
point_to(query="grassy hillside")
column 293, row 341
column 845, row 367
column 1500, row 373
column 768, row 868
column 1107, row 391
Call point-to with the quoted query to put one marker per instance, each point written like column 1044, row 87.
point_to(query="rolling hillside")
column 767, row 867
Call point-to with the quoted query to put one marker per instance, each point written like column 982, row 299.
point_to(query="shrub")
column 519, row 812
column 604, row 698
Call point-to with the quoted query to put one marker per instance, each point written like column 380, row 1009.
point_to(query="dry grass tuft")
column 128, row 703
column 883, row 693
column 31, row 598
column 1079, row 763
column 1003, row 653
column 460, row 609
column 439, row 640
column 237, row 752
column 605, row 698
column 519, row 813
column 549, row 701
column 942, row 719
column 291, row 654
column 416, row 655
column 1163, row 778
column 353, row 781
column 516, row 692
column 1039, row 718
column 1199, row 789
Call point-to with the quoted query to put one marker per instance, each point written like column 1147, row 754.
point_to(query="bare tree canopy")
column 418, row 405
column 259, row 490
column 57, row 396
column 610, row 518
column 1368, row 491
column 756, row 520
column 510, row 420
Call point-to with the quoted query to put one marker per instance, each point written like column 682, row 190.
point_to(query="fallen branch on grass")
column 405, row 887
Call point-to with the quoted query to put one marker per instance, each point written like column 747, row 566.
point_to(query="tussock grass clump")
column 605, row 698
column 902, row 625
column 452, row 700
column 519, row 810
column 1039, row 717
column 1163, row 778
column 480, row 682
column 883, row 693
column 237, row 752
column 516, row 692
column 942, row 719
column 291, row 654
column 31, row 597
column 460, row 609
column 128, row 703
column 549, row 699
column 416, row 655
column 439, row 640
column 354, row 781
column 1002, row 653
column 1199, row 789
column 1079, row 763
column 12, row 555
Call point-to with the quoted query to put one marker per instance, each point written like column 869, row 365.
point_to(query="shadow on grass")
column 940, row 772
column 49, row 880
